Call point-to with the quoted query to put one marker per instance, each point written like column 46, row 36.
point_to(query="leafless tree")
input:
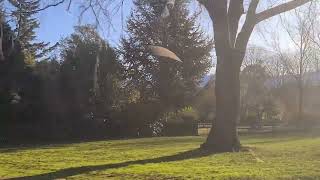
column 297, row 61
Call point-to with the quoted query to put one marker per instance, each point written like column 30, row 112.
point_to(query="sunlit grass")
column 268, row 157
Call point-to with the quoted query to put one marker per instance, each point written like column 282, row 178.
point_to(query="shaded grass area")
column 267, row 157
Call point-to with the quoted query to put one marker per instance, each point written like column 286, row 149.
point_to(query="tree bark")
column 300, row 119
column 224, row 137
column 1, row 38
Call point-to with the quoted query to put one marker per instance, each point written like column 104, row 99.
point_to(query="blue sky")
column 57, row 23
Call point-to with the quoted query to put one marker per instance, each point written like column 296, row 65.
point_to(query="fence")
column 204, row 129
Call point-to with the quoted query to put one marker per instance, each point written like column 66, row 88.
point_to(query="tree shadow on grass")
column 13, row 148
column 64, row 173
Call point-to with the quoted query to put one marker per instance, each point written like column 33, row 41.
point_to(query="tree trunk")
column 300, row 103
column 1, row 39
column 300, row 91
column 223, row 136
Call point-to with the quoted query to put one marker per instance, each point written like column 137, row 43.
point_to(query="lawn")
column 265, row 157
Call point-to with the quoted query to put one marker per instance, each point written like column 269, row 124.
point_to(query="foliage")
column 171, row 83
column 21, row 87
column 257, row 103
column 23, row 14
column 163, row 85
column 79, row 57
column 186, row 114
column 184, row 122
column 205, row 102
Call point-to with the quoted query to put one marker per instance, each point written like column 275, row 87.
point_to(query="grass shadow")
column 14, row 147
column 64, row 173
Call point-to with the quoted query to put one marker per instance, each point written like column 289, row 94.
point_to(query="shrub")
column 181, row 123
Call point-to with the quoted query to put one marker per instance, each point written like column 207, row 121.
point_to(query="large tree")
column 163, row 85
column 231, row 41
column 172, row 83
column 81, row 76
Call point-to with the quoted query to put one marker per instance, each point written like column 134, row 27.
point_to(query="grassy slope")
column 286, row 157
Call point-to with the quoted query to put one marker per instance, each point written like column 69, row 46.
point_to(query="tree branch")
column 247, row 28
column 45, row 7
column 280, row 9
column 235, row 12
column 218, row 11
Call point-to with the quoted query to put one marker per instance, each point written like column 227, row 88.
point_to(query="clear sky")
column 57, row 23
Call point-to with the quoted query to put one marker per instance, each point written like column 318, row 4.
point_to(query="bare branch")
column 248, row 26
column 46, row 7
column 235, row 12
column 280, row 9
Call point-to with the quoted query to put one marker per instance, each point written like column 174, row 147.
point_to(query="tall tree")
column 298, row 63
column 79, row 57
column 20, row 88
column 173, row 84
column 230, row 44
column 26, row 24
column 253, row 90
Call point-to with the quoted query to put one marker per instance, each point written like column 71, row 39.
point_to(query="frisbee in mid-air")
column 164, row 52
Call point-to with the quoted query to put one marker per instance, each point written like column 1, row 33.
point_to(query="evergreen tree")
column 79, row 55
column 26, row 23
column 20, row 89
column 171, row 83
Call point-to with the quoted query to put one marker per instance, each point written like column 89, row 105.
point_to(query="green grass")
column 281, row 157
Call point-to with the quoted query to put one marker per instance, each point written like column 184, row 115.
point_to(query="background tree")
column 170, row 84
column 258, row 79
column 298, row 62
column 21, row 90
column 23, row 14
column 205, row 102
column 253, row 79
column 79, row 55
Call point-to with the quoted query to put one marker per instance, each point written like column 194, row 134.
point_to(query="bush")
column 182, row 123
